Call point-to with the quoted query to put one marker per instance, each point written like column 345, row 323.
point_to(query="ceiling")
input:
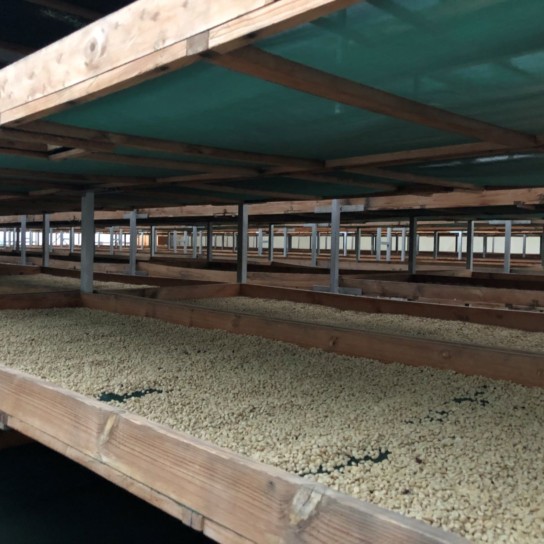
column 387, row 97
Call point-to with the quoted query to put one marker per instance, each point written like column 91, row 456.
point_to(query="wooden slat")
column 95, row 60
column 35, row 301
column 516, row 366
column 279, row 70
column 261, row 503
column 514, row 319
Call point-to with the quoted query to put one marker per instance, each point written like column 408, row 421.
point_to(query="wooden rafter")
column 161, row 37
column 281, row 71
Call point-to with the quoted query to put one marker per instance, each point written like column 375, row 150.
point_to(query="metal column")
column 23, row 239
column 436, row 244
column 524, row 247
column 459, row 245
column 195, row 242
column 313, row 244
column 241, row 256
column 87, row 242
column 271, row 243
column 175, row 241
column 209, row 243
column 133, row 242
column 378, row 244
column 389, row 244
column 484, row 246
column 412, row 246
column 153, row 241
column 470, row 245
column 357, row 244
column 285, row 242
column 71, row 240
column 542, row 248
column 507, row 245
column 46, row 247
column 403, row 245
column 335, row 246
column 112, row 241
column 260, row 242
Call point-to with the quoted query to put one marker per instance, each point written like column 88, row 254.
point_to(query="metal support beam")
column 378, row 244
column 285, row 242
column 209, row 242
column 153, row 241
column 260, row 242
column 195, row 242
column 271, row 243
column 112, row 241
column 507, row 245
column 484, row 246
column 71, row 240
column 403, row 245
column 335, row 246
column 22, row 233
column 436, row 244
column 524, row 247
column 470, row 245
column 459, row 245
column 46, row 247
column 358, row 244
column 241, row 257
column 133, row 241
column 87, row 242
column 313, row 244
column 542, row 248
column 389, row 244
column 175, row 241
column 412, row 246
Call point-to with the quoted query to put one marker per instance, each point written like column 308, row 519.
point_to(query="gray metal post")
column 507, row 245
column 133, row 240
column 389, row 244
column 379, row 244
column 209, row 243
column 470, row 245
column 345, row 238
column 542, row 248
column 285, row 242
column 87, row 242
column 71, row 240
column 459, row 245
column 313, row 244
column 153, row 241
column 524, row 247
column 335, row 246
column 436, row 244
column 185, row 242
column 120, row 239
column 112, row 242
column 175, row 241
column 412, row 246
column 46, row 248
column 23, row 239
column 195, row 242
column 260, row 242
column 241, row 257
column 357, row 244
column 271, row 243
column 403, row 245
column 484, row 246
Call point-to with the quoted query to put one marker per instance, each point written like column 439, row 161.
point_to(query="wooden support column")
column 241, row 256
column 46, row 247
column 271, row 243
column 335, row 246
column 470, row 245
column 22, row 244
column 313, row 244
column 133, row 241
column 507, row 245
column 87, row 242
column 209, row 242
column 412, row 246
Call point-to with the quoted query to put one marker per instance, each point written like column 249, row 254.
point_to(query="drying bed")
column 463, row 453
column 424, row 327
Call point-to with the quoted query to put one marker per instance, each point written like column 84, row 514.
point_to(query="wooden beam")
column 161, row 37
column 281, row 71
column 179, row 474
column 35, row 301
column 349, row 182
column 68, row 7
column 67, row 132
column 413, row 178
column 517, row 366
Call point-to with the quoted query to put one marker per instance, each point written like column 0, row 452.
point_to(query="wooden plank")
column 187, row 273
column 516, row 366
column 95, row 61
column 188, row 292
column 281, row 71
column 513, row 319
column 258, row 502
column 461, row 293
column 35, row 301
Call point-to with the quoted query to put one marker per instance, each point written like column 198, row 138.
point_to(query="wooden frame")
column 225, row 495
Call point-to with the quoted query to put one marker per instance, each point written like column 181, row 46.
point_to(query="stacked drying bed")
column 464, row 453
column 424, row 327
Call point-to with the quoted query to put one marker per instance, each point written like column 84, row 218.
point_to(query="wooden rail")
column 225, row 495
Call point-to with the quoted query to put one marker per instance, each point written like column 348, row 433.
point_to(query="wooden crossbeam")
column 162, row 37
column 281, row 71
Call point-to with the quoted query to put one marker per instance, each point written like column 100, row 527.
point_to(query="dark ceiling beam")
column 68, row 7
column 281, row 71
